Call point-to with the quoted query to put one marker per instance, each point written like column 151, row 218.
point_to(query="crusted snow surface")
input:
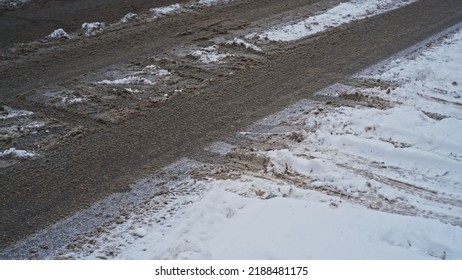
column 341, row 14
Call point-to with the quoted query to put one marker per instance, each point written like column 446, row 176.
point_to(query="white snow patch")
column 13, row 152
column 225, row 225
column 8, row 113
column 127, row 81
column 129, row 17
column 240, row 42
column 433, row 76
column 35, row 125
column 212, row 2
column 131, row 90
column 162, row 11
column 156, row 70
column 341, row 14
column 92, row 27
column 58, row 34
column 209, row 54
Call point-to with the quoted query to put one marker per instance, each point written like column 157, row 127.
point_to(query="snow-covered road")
column 375, row 176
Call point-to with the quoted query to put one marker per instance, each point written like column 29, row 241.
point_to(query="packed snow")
column 375, row 179
column 341, row 14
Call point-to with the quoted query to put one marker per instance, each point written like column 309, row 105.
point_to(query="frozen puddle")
column 341, row 14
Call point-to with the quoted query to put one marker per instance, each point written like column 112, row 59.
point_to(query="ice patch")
column 93, row 27
column 58, row 34
column 341, row 14
column 127, row 81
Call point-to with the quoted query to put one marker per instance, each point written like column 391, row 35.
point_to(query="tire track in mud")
column 82, row 170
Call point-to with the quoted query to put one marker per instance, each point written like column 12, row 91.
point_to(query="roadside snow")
column 341, row 14
column 226, row 225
